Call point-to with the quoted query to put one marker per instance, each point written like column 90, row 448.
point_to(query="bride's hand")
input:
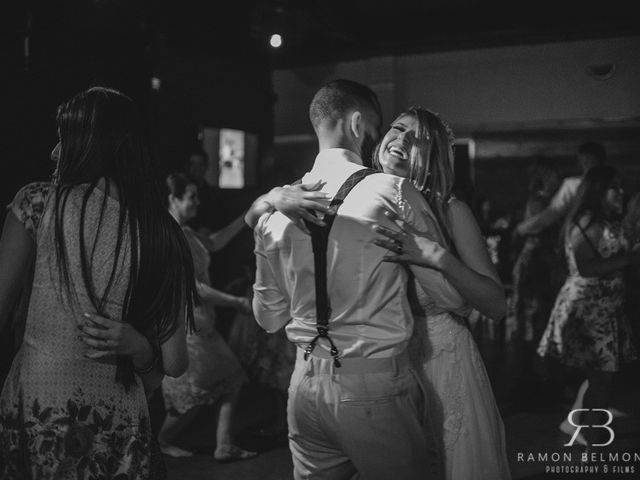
column 409, row 244
column 295, row 201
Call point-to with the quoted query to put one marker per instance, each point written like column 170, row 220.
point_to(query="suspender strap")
column 319, row 242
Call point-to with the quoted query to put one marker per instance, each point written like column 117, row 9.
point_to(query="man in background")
column 590, row 154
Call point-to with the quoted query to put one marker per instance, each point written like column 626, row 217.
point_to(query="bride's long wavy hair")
column 102, row 137
column 430, row 163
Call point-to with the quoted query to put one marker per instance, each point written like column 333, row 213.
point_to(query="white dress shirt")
column 370, row 313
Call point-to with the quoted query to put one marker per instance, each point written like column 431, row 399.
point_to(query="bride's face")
column 395, row 148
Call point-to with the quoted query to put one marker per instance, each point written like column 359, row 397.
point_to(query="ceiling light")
column 275, row 41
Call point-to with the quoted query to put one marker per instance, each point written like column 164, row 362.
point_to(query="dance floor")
column 531, row 412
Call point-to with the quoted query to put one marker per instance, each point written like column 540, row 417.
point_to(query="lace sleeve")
column 28, row 205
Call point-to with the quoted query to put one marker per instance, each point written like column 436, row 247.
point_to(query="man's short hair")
column 594, row 150
column 337, row 97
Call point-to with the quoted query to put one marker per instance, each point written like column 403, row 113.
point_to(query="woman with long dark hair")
column 588, row 328
column 112, row 291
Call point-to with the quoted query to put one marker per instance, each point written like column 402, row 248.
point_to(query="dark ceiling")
column 313, row 31
column 321, row 30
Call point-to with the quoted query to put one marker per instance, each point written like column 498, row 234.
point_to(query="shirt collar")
column 334, row 155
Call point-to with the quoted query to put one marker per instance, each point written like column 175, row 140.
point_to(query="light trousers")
column 364, row 420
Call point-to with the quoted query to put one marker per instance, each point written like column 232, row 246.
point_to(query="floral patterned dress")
column 588, row 327
column 63, row 416
column 213, row 369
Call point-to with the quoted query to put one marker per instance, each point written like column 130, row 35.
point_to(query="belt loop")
column 309, row 367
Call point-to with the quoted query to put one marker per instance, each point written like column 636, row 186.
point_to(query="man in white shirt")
column 590, row 154
column 363, row 415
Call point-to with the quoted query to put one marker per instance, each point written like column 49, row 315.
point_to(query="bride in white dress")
column 419, row 146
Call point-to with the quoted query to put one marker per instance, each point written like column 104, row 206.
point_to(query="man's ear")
column 356, row 125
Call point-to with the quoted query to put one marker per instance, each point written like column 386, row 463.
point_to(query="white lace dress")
column 464, row 411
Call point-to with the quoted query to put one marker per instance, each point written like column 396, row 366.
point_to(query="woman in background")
column 631, row 228
column 214, row 375
column 113, row 282
column 588, row 328
column 537, row 273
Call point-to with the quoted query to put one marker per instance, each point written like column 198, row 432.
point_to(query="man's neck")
column 325, row 143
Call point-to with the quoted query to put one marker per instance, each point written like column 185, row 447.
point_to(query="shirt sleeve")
column 28, row 205
column 413, row 209
column 270, row 303
column 564, row 196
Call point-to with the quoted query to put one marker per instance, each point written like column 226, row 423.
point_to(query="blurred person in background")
column 537, row 276
column 588, row 328
column 214, row 376
column 590, row 154
column 196, row 168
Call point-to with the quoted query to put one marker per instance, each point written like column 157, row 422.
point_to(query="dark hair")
column 431, row 163
column 543, row 178
column 176, row 185
column 591, row 191
column 337, row 97
column 594, row 150
column 102, row 137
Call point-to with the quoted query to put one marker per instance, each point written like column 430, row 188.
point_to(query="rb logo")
column 612, row 434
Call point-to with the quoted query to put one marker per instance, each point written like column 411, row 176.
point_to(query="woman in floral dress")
column 73, row 405
column 588, row 328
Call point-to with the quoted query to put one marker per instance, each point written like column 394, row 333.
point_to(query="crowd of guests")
column 116, row 272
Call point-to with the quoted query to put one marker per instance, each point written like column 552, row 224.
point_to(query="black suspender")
column 319, row 241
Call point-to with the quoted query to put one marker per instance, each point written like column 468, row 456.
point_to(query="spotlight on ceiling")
column 156, row 83
column 275, row 41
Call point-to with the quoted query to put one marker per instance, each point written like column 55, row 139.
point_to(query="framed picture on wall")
column 232, row 155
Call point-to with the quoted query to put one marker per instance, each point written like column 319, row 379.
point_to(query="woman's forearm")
column 480, row 291
column 222, row 237
column 216, row 297
column 152, row 380
column 143, row 355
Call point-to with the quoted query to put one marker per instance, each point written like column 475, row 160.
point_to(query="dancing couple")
column 371, row 272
